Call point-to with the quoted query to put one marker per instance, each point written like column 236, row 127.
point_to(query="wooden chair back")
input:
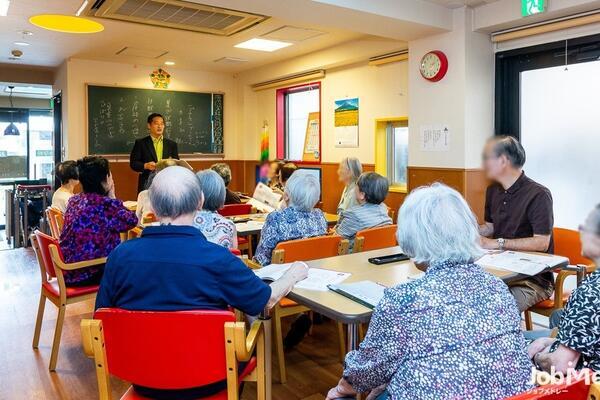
column 230, row 210
column 149, row 218
column 56, row 221
column 41, row 246
column 309, row 249
column 375, row 238
column 568, row 244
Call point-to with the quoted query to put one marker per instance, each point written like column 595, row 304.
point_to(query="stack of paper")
column 264, row 198
column 318, row 279
column 521, row 263
column 243, row 227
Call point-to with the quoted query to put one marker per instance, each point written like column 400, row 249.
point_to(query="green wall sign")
column 531, row 7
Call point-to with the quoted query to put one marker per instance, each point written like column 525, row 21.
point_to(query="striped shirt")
column 361, row 217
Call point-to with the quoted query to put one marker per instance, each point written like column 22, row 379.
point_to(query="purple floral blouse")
column 91, row 230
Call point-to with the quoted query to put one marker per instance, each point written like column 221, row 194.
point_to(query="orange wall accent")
column 471, row 183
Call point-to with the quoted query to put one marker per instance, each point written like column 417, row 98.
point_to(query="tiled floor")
column 313, row 367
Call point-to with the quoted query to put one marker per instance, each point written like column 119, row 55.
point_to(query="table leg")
column 266, row 317
column 352, row 337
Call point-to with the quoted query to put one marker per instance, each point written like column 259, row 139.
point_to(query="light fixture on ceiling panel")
column 169, row 62
column 66, row 23
column 262, row 44
column 19, row 43
column 82, row 7
column 4, row 7
column 11, row 129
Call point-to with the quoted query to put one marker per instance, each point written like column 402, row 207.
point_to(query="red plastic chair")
column 581, row 388
column 174, row 350
column 52, row 265
column 231, row 210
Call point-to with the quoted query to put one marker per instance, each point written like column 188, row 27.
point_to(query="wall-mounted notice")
column 435, row 137
column 346, row 122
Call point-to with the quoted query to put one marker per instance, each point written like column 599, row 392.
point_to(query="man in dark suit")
column 151, row 149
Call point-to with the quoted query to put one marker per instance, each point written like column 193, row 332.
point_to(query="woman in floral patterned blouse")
column 93, row 221
column 452, row 334
column 298, row 218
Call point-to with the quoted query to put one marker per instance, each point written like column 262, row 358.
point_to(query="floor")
column 313, row 367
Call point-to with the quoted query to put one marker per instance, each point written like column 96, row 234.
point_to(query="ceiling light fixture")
column 21, row 44
column 66, row 23
column 262, row 44
column 82, row 7
column 4, row 7
column 169, row 62
column 11, row 129
column 25, row 33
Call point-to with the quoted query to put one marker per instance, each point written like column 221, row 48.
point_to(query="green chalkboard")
column 117, row 117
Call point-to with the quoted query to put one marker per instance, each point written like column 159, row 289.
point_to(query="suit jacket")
column 143, row 152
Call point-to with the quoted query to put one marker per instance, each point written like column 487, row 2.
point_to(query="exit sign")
column 531, row 7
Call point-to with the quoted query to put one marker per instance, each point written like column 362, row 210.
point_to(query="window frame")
column 383, row 145
column 281, row 120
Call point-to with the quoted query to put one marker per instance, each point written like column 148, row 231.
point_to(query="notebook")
column 318, row 279
column 367, row 293
column 521, row 263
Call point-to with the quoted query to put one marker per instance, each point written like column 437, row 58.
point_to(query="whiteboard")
column 560, row 130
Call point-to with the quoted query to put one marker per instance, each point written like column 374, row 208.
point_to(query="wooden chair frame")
column 62, row 300
column 279, row 312
column 239, row 346
column 55, row 221
column 563, row 274
column 359, row 240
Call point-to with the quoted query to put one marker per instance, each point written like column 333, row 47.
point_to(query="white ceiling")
column 461, row 3
column 188, row 49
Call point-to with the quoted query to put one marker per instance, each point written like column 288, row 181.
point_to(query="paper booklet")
column 522, row 263
column 242, row 227
column 318, row 279
column 367, row 293
column 264, row 198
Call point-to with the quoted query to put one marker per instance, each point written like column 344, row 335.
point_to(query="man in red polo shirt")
column 518, row 215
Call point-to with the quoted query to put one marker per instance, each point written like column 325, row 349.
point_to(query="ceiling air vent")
column 177, row 14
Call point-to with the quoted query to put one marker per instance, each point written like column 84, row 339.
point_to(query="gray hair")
column 592, row 222
column 303, row 189
column 213, row 188
column 354, row 166
column 511, row 148
column 224, row 171
column 175, row 191
column 435, row 224
column 374, row 186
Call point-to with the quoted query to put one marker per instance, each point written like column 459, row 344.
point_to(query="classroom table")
column 254, row 226
column 342, row 309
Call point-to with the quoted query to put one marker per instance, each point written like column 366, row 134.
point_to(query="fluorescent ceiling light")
column 262, row 44
column 81, row 8
column 21, row 44
column 35, row 90
column 169, row 62
column 4, row 7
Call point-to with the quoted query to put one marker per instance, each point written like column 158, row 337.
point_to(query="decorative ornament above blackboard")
column 160, row 78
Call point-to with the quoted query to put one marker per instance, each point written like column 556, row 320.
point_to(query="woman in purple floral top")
column 93, row 221
column 452, row 334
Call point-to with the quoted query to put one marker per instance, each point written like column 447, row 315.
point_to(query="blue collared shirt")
column 173, row 268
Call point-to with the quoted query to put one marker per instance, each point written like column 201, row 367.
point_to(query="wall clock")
column 434, row 66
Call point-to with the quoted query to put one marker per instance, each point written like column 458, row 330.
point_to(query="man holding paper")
column 518, row 215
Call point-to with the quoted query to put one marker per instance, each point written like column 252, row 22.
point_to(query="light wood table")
column 342, row 309
column 257, row 220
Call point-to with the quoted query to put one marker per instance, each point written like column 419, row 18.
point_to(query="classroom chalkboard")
column 117, row 117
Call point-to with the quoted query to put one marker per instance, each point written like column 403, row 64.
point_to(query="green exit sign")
column 531, row 7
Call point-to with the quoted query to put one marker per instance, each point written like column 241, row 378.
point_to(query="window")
column 391, row 147
column 299, row 123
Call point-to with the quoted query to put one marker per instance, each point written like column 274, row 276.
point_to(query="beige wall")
column 82, row 72
column 382, row 92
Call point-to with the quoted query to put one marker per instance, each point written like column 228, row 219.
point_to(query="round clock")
column 434, row 66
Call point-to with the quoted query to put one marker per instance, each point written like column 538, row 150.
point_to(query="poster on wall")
column 435, row 137
column 312, row 143
column 346, row 122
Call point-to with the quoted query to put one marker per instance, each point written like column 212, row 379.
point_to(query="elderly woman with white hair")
column 299, row 219
column 453, row 333
column 216, row 228
column 348, row 171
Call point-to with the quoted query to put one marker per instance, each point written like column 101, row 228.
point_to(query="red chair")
column 231, row 210
column 53, row 288
column 175, row 350
column 580, row 388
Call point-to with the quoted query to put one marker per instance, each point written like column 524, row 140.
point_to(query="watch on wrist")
column 501, row 243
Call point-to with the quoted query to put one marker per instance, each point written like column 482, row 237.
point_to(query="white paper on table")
column 242, row 227
column 260, row 206
column 520, row 263
column 317, row 279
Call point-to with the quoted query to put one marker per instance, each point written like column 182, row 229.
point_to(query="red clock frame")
column 443, row 66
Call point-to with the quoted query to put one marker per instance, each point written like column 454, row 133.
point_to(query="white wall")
column 82, row 72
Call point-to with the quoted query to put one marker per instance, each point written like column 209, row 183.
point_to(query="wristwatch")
column 501, row 243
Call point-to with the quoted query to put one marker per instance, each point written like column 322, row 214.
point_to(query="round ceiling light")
column 66, row 23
